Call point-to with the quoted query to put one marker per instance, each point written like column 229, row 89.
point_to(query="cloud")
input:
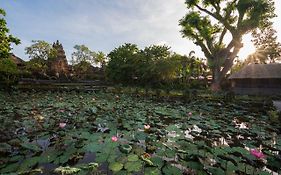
column 101, row 25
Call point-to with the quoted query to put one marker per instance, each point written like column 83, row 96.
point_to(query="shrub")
column 9, row 73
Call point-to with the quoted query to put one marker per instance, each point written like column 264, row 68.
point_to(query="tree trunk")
column 219, row 74
column 215, row 86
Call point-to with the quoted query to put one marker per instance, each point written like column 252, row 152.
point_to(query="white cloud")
column 102, row 24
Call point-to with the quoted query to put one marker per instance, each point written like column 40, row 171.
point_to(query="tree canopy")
column 83, row 54
column 208, row 22
column 6, row 39
column 40, row 50
column 153, row 66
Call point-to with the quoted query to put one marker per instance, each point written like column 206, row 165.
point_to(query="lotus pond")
column 102, row 133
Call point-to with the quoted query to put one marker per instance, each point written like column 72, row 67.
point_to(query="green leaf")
column 115, row 166
column 29, row 163
column 31, row 146
column 132, row 158
column 264, row 173
column 217, row 171
column 100, row 157
column 50, row 155
column 163, row 111
column 133, row 166
column 126, row 148
column 152, row 171
column 171, row 170
column 66, row 155
column 231, row 167
column 157, row 161
column 92, row 147
column 195, row 165
column 10, row 168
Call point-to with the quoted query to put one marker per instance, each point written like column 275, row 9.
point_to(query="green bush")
column 9, row 73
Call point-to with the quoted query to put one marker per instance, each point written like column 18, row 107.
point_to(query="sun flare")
column 248, row 47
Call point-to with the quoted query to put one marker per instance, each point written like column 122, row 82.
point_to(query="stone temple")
column 58, row 64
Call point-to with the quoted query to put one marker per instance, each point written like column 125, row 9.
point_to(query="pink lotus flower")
column 258, row 154
column 190, row 114
column 146, row 127
column 62, row 125
column 114, row 139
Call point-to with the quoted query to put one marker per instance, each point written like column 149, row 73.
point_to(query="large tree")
column 40, row 50
column 83, row 60
column 152, row 66
column 209, row 22
column 83, row 54
column 155, row 64
column 6, row 39
column 8, row 69
column 121, row 63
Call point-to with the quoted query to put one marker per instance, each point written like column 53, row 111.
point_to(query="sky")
column 103, row 25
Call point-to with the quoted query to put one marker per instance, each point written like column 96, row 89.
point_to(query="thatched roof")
column 258, row 71
column 16, row 60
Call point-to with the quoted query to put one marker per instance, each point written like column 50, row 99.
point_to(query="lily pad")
column 132, row 158
column 152, row 171
column 171, row 170
column 126, row 148
column 133, row 166
column 115, row 166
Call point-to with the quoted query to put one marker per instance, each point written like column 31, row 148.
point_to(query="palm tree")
column 101, row 59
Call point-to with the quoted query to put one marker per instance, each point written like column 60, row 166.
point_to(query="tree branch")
column 222, row 35
column 203, row 46
column 208, row 12
column 229, row 62
column 218, row 17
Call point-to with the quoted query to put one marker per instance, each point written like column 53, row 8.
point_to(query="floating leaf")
column 92, row 147
column 133, row 166
column 10, row 168
column 171, row 170
column 31, row 146
column 152, row 171
column 29, row 163
column 132, row 158
column 115, row 166
column 126, row 148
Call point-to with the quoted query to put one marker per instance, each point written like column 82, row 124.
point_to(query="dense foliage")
column 153, row 66
column 208, row 22
column 5, row 38
column 9, row 73
column 8, row 70
column 85, row 63
column 101, row 133
column 40, row 50
column 40, row 53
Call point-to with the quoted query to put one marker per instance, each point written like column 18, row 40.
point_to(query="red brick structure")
column 58, row 65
